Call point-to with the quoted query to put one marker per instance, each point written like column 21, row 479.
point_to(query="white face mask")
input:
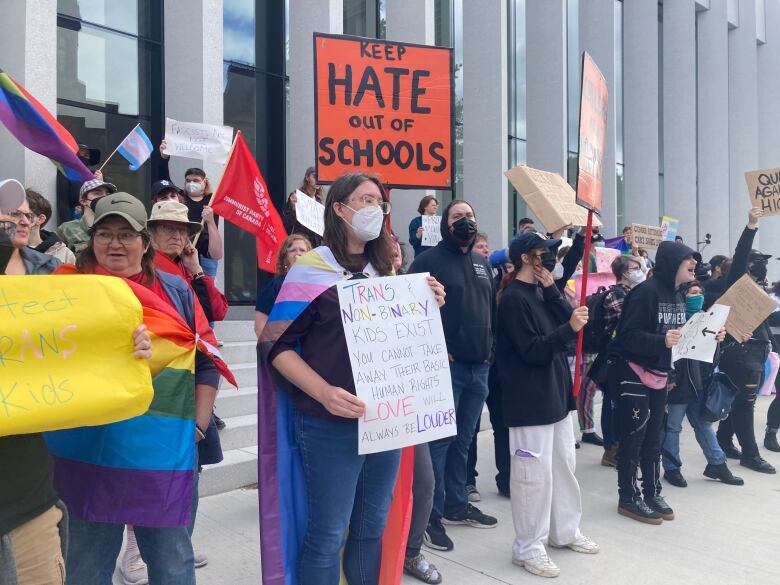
column 636, row 277
column 557, row 272
column 194, row 188
column 367, row 222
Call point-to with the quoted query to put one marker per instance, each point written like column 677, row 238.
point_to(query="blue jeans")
column 705, row 435
column 209, row 266
column 344, row 490
column 93, row 548
column 450, row 456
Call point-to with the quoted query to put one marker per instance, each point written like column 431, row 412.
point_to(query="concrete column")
column 546, row 116
column 485, row 116
column 306, row 18
column 640, row 111
column 712, row 99
column 413, row 21
column 597, row 27
column 197, row 67
column 679, row 123
column 28, row 47
column 743, row 115
column 769, row 118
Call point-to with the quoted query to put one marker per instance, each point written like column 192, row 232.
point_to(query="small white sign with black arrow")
column 698, row 335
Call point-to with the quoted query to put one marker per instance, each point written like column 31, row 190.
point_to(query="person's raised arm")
column 739, row 263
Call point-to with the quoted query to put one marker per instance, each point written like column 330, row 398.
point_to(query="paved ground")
column 722, row 534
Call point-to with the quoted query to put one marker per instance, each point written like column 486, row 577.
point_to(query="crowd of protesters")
column 510, row 326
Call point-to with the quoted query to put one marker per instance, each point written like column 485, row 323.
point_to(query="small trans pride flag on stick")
column 136, row 148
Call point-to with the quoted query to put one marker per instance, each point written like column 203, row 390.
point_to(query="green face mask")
column 693, row 304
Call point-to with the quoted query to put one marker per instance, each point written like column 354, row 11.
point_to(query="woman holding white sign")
column 428, row 207
column 536, row 325
column 309, row 443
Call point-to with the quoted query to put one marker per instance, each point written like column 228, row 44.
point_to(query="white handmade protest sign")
column 399, row 361
column 698, row 335
column 200, row 141
column 309, row 212
column 431, row 225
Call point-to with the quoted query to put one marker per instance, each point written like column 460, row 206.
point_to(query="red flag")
column 242, row 199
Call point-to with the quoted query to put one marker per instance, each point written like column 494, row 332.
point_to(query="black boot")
column 658, row 504
column 593, row 439
column 722, row 473
column 674, row 477
column 730, row 450
column 639, row 511
column 757, row 463
column 770, row 440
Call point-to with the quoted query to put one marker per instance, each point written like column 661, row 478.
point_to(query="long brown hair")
column 507, row 279
column 378, row 252
column 87, row 261
column 281, row 257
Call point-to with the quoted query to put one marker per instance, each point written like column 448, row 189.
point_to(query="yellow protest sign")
column 66, row 353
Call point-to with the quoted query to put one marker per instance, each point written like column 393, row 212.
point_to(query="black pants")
column 773, row 416
column 500, row 436
column 740, row 423
column 640, row 416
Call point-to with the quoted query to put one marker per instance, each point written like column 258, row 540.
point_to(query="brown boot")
column 609, row 459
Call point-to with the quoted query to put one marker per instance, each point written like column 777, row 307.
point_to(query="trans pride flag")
column 136, row 148
column 282, row 488
column 38, row 130
column 139, row 471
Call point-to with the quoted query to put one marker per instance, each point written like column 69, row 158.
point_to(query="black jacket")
column 650, row 310
column 468, row 315
column 533, row 334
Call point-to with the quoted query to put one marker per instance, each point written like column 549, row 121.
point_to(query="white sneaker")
column 201, row 560
column 541, row 566
column 582, row 544
column 134, row 571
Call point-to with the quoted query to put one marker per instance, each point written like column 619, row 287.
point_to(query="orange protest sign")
column 594, row 100
column 386, row 108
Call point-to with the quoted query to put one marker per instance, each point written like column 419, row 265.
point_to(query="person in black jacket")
column 686, row 392
column 639, row 361
column 468, row 321
column 536, row 324
column 740, row 420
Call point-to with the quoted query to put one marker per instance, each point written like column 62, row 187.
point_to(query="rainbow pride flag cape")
column 282, row 489
column 138, row 471
column 38, row 130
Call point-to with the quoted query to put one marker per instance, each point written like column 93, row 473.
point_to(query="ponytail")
column 507, row 279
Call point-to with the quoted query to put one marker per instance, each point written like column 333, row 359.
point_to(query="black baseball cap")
column 528, row 241
column 163, row 185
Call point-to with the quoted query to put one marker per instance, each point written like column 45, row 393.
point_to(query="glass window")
column 444, row 22
column 516, row 86
column 618, row 81
column 238, row 25
column 361, row 18
column 573, row 66
column 621, row 199
column 107, row 82
column 134, row 17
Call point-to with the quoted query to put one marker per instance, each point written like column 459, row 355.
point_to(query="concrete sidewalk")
column 722, row 534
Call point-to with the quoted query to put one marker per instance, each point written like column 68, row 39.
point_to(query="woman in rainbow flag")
column 315, row 490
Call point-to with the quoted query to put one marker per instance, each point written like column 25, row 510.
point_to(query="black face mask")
column 758, row 270
column 464, row 231
column 548, row 261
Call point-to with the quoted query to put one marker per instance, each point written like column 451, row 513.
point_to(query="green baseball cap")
column 123, row 205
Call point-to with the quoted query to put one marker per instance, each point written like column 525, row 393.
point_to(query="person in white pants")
column 535, row 326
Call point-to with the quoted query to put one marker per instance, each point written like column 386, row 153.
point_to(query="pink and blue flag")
column 136, row 148
column 35, row 127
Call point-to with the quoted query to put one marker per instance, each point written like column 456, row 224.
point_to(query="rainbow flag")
column 38, row 130
column 282, row 489
column 138, row 471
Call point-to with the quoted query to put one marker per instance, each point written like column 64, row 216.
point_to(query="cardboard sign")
column 669, row 227
column 647, row 236
column 399, row 361
column 309, row 212
column 200, row 141
column 66, row 353
column 386, row 108
column 594, row 102
column 764, row 190
column 750, row 306
column 431, row 225
column 698, row 335
column 604, row 258
column 549, row 196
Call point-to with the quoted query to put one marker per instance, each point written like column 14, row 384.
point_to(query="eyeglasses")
column 17, row 216
column 173, row 230
column 124, row 238
column 369, row 201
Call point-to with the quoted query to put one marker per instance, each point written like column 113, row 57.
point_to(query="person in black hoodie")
column 740, row 420
column 686, row 393
column 639, row 361
column 536, row 325
column 468, row 321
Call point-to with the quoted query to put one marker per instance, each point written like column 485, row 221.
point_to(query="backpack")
column 595, row 337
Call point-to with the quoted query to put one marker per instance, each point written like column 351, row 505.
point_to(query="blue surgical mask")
column 693, row 304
